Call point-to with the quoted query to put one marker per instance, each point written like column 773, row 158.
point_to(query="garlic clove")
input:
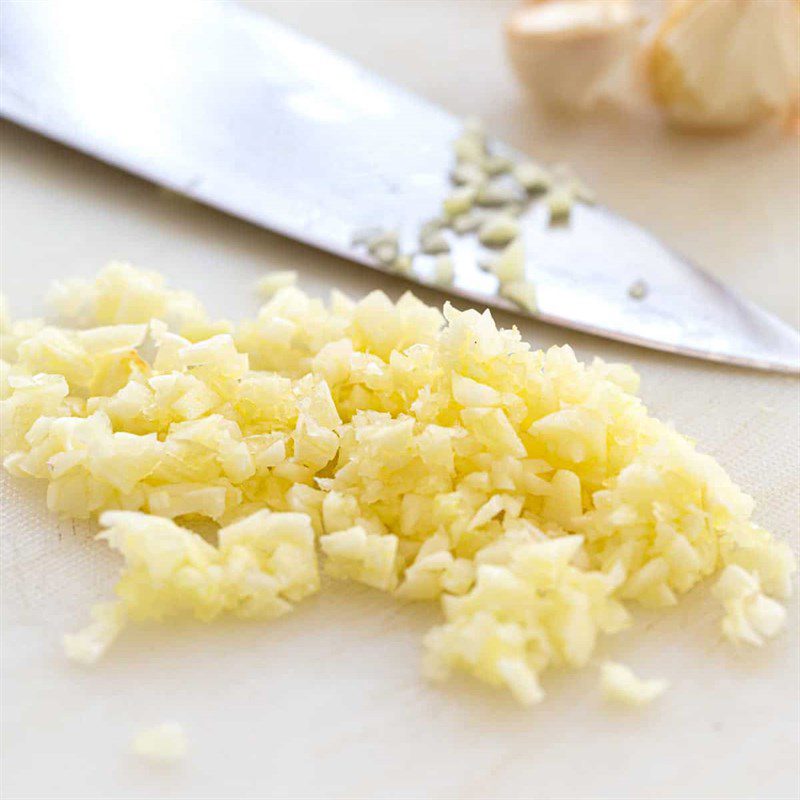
column 568, row 52
column 721, row 64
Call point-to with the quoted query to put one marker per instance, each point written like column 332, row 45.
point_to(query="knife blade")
column 240, row 113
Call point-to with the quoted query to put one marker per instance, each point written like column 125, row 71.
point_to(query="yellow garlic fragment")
column 165, row 742
column 510, row 264
column 750, row 616
column 619, row 683
column 523, row 293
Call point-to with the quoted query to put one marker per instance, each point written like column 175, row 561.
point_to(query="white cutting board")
column 328, row 702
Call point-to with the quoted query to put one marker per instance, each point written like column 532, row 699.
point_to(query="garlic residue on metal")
column 726, row 63
column 532, row 177
column 434, row 244
column 384, row 247
column 471, row 221
column 499, row 192
column 490, row 190
column 460, row 200
column 498, row 230
column 444, row 270
column 523, row 293
column 572, row 53
column 509, row 266
column 638, row 290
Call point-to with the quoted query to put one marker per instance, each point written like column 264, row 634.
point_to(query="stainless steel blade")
column 240, row 113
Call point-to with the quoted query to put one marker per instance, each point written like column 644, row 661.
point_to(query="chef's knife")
column 236, row 111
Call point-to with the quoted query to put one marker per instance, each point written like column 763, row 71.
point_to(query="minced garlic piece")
column 498, row 230
column 470, row 221
column 91, row 643
column 619, row 683
column 383, row 246
column 122, row 294
column 496, row 164
column 444, row 270
column 509, row 266
column 404, row 265
column 426, row 451
column 498, row 192
column 262, row 564
column 750, row 616
column 460, row 200
column 435, row 570
column 467, row 173
column 432, row 226
column 638, row 290
column 560, row 200
column 434, row 244
column 523, row 293
column 361, row 556
column 273, row 281
column 470, row 147
column 532, row 177
column 523, row 615
column 165, row 742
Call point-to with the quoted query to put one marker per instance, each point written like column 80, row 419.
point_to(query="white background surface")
column 328, row 702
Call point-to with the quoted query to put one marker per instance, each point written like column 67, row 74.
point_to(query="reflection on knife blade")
column 290, row 135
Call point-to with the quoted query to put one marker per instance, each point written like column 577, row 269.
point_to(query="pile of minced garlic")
column 422, row 452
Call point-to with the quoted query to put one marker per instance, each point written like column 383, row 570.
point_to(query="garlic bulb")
column 569, row 52
column 726, row 63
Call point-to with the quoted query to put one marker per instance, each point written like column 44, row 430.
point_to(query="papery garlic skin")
column 569, row 52
column 726, row 64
